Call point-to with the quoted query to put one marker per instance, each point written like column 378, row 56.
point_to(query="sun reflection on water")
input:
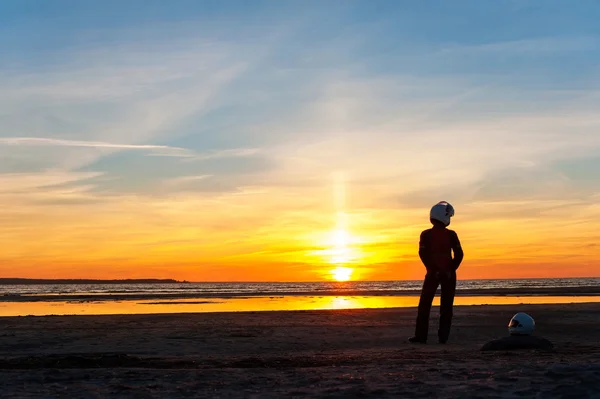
column 261, row 304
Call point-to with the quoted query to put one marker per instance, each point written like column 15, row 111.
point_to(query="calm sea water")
column 96, row 299
column 282, row 288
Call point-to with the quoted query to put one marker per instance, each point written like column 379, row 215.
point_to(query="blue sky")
column 243, row 76
column 477, row 102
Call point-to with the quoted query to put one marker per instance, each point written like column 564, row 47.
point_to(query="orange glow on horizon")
column 284, row 236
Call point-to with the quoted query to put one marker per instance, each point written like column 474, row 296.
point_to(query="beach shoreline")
column 304, row 353
column 259, row 304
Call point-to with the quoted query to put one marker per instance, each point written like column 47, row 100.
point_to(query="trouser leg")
column 448, row 288
column 427, row 293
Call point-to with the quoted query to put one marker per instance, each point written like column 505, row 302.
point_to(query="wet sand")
column 324, row 353
column 257, row 304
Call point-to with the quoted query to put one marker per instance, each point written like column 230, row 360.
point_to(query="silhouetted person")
column 436, row 246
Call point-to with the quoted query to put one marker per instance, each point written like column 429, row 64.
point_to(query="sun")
column 341, row 273
column 340, row 252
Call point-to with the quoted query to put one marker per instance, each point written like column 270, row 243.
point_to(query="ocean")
column 104, row 299
column 292, row 288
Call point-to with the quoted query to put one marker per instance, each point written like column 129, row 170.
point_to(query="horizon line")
column 176, row 281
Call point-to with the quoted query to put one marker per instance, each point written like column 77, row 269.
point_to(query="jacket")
column 436, row 246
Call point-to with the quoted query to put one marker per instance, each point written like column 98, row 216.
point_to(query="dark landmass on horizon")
column 23, row 281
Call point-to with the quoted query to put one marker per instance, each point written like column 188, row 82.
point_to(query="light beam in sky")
column 341, row 242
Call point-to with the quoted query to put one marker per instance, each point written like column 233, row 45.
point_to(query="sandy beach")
column 325, row 353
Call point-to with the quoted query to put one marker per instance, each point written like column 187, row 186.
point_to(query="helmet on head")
column 442, row 212
column 521, row 324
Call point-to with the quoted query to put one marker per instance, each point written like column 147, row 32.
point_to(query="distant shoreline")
column 34, row 281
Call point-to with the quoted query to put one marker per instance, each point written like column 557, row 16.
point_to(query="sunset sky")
column 279, row 140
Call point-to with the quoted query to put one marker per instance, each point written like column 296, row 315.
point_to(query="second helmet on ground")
column 521, row 324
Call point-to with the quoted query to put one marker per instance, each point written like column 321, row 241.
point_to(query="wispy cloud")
column 228, row 153
column 21, row 182
column 152, row 149
column 530, row 47
column 185, row 179
column 161, row 150
column 123, row 104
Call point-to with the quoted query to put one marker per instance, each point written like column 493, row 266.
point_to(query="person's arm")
column 458, row 251
column 424, row 251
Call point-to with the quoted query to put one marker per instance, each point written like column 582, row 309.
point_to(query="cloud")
column 153, row 150
column 310, row 122
column 228, row 153
column 102, row 101
column 22, row 182
column 530, row 47
column 185, row 179
column 160, row 150
column 130, row 98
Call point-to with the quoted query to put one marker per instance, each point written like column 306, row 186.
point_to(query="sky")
column 281, row 140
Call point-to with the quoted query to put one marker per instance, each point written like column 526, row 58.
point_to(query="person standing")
column 437, row 246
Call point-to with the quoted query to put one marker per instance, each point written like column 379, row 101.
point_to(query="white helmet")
column 442, row 211
column 521, row 324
